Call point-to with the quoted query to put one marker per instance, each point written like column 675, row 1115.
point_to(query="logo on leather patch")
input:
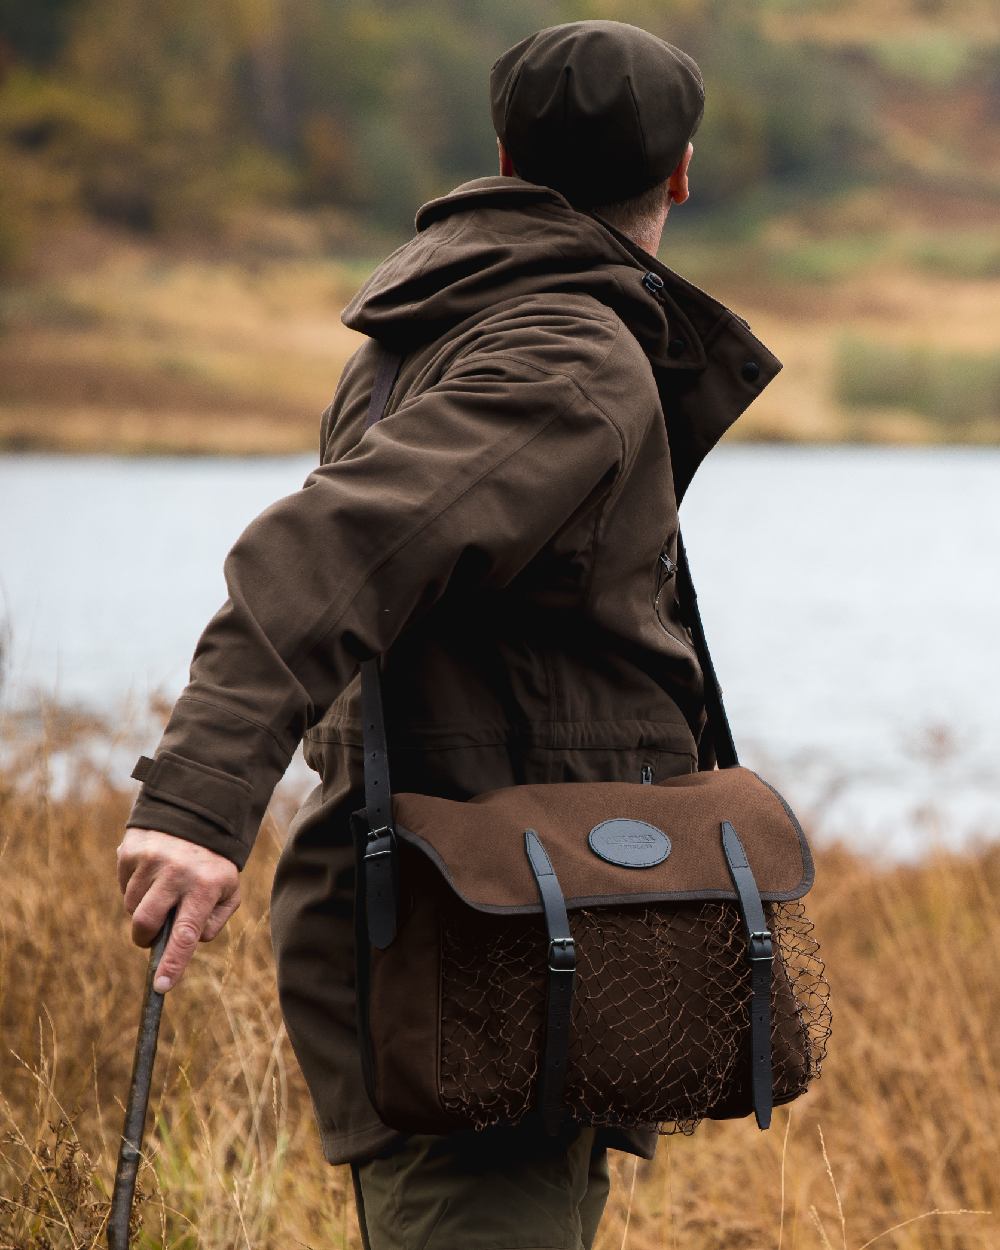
column 629, row 843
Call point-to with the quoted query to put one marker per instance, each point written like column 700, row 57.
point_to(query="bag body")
column 453, row 1008
column 613, row 953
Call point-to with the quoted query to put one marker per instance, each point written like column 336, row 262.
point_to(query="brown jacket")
column 497, row 537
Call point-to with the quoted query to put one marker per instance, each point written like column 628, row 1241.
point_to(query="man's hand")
column 157, row 870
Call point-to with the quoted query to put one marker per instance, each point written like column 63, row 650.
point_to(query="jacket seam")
column 576, row 382
column 221, row 707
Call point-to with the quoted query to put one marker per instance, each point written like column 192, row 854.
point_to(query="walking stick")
column 130, row 1151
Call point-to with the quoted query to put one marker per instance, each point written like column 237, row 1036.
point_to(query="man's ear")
column 677, row 185
column 506, row 164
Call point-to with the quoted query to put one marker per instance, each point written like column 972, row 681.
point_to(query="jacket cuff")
column 194, row 801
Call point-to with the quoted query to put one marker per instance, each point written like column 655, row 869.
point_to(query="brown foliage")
column 902, row 1125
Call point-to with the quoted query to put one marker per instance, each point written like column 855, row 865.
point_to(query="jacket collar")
column 709, row 366
column 709, row 371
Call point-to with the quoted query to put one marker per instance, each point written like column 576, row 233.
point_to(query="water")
column 850, row 595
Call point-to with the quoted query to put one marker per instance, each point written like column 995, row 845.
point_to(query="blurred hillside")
column 190, row 191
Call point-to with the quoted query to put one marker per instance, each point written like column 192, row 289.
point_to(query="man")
column 506, row 539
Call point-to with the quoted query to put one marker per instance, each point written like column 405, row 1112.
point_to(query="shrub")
column 952, row 388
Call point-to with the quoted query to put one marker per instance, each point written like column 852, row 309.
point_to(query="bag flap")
column 478, row 846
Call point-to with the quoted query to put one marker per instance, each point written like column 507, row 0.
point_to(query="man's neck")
column 649, row 244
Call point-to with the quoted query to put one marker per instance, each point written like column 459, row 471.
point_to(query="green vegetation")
column 181, row 117
column 965, row 254
column 930, row 58
column 826, row 260
column 168, row 115
column 955, row 389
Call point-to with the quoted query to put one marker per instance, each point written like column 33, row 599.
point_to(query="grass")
column 896, row 1145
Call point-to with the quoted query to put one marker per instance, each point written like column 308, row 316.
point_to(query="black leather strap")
column 719, row 735
column 559, row 985
column 380, row 859
column 761, row 955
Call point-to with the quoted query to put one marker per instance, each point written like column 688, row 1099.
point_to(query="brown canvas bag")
column 611, row 953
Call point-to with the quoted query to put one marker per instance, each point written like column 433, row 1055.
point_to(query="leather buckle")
column 766, row 953
column 562, row 955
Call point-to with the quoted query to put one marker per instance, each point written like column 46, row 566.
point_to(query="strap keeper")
column 562, row 955
column 373, row 836
column 381, row 886
column 766, row 955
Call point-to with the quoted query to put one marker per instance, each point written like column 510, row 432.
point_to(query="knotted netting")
column 661, row 1013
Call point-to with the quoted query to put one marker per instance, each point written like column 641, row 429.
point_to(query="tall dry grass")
column 898, row 1144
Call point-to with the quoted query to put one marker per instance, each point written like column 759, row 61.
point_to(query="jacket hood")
column 497, row 238
column 501, row 237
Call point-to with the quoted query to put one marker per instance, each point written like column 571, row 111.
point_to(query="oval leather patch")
column 629, row 843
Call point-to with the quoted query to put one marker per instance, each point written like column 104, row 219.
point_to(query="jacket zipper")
column 666, row 571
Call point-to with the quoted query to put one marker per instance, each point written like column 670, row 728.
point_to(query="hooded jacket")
column 505, row 538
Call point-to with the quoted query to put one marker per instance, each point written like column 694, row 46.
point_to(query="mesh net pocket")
column 660, row 1013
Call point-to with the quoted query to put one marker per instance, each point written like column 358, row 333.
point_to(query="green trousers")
column 503, row 1189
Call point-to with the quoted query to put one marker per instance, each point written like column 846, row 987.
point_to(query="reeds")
column 898, row 1144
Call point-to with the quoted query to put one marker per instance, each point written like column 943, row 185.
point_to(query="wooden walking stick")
column 130, row 1151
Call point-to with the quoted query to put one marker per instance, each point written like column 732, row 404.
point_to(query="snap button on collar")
column 652, row 282
column 751, row 371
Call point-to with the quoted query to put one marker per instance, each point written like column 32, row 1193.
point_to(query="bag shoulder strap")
column 378, row 791
column 717, row 741
column 719, row 736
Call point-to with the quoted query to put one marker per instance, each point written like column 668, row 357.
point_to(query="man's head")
column 603, row 112
column 641, row 216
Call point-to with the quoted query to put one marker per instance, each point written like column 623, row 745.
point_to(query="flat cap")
column 599, row 110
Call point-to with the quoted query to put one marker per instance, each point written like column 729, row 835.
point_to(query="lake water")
column 851, row 597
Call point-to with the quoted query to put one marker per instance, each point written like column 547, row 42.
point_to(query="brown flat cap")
column 598, row 110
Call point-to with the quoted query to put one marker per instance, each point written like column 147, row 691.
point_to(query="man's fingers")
column 158, row 871
column 151, row 911
column 220, row 913
column 192, row 914
column 132, row 854
column 127, row 862
column 139, row 883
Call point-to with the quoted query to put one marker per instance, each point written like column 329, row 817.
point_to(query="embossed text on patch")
column 629, row 843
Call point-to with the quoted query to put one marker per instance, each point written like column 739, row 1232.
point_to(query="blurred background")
column 190, row 192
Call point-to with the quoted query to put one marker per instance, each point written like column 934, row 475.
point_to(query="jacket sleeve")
column 468, row 479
